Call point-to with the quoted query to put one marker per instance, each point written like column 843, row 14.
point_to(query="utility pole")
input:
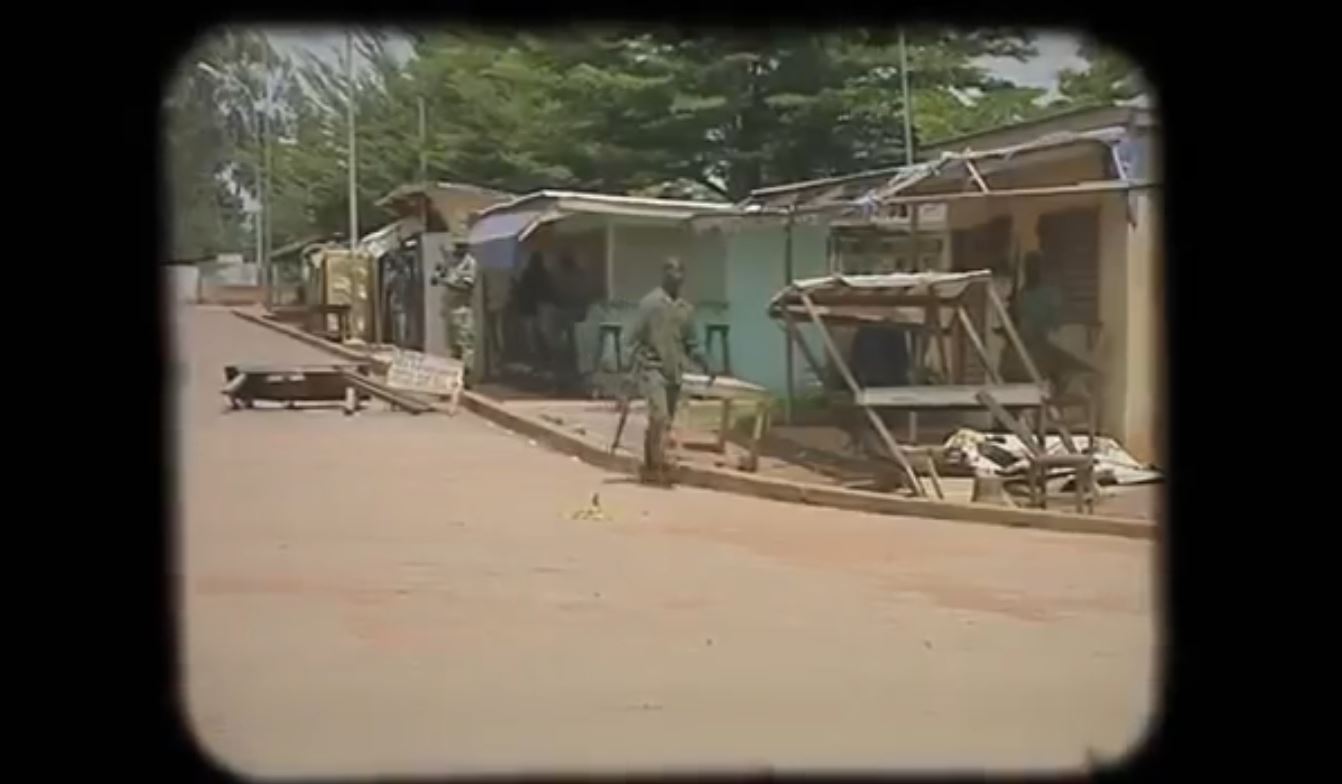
column 913, row 217
column 353, row 160
column 267, row 272
column 423, row 162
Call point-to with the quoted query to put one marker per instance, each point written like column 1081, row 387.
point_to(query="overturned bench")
column 349, row 383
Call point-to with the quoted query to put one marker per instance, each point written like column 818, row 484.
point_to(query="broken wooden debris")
column 386, row 394
column 286, row 384
column 344, row 383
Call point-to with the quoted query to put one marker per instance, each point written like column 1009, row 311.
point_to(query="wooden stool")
column 720, row 331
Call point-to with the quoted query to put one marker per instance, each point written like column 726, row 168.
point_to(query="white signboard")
column 412, row 371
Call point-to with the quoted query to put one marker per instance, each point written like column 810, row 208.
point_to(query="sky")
column 1056, row 51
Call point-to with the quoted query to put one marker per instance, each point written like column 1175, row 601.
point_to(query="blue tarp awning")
column 494, row 238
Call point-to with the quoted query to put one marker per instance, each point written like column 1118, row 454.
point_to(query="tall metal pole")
column 423, row 162
column 260, row 215
column 913, row 215
column 908, row 102
column 908, row 145
column 787, row 340
column 267, row 272
column 353, row 160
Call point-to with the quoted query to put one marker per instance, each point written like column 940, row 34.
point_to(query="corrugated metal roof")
column 952, row 169
column 606, row 204
column 420, row 188
column 919, row 284
column 1104, row 115
column 871, row 297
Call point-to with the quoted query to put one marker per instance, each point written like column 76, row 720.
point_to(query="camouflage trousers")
column 662, row 396
column 461, row 336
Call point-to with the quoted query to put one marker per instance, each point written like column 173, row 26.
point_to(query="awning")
column 494, row 238
column 504, row 225
column 898, row 289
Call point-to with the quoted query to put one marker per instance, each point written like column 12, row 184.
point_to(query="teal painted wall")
column 755, row 273
column 640, row 251
column 731, row 275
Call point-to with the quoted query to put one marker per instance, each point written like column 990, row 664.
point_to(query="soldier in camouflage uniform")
column 663, row 343
column 458, row 278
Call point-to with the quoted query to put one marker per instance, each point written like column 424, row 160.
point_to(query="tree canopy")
column 648, row 111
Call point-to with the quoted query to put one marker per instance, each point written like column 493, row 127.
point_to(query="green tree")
column 1109, row 77
column 203, row 211
column 608, row 109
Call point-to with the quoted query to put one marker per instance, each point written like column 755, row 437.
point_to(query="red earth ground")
column 387, row 593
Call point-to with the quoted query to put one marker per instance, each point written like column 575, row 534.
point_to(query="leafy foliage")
column 607, row 109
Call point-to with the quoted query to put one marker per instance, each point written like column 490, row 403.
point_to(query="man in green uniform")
column 663, row 343
column 459, row 281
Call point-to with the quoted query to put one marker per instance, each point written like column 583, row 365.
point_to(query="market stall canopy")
column 516, row 219
column 956, row 175
column 564, row 203
column 900, row 297
column 896, row 288
column 494, row 238
column 875, row 195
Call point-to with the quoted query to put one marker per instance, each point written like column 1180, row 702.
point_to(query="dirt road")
column 388, row 593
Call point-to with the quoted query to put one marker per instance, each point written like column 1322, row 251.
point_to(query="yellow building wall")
column 1144, row 404
column 1127, row 348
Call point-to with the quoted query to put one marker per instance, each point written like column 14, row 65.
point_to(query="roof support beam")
column 978, row 178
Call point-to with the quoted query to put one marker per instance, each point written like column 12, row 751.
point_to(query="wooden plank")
column 1014, row 337
column 232, row 387
column 978, row 178
column 875, row 420
column 261, row 370
column 948, row 396
column 939, row 336
column 1101, row 186
column 383, row 393
column 817, row 366
column 723, row 387
column 989, row 401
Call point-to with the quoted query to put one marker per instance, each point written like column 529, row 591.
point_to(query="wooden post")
column 724, row 424
column 610, row 261
column 977, row 343
column 375, row 297
column 794, row 334
column 847, row 374
column 933, row 319
column 914, row 265
column 761, row 426
column 1031, row 368
column 1013, row 336
column 787, row 345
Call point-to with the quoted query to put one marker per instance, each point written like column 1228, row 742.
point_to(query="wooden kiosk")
column 933, row 304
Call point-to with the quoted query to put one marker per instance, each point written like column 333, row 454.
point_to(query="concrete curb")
column 758, row 486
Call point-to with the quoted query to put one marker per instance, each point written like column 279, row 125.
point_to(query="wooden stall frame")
column 933, row 307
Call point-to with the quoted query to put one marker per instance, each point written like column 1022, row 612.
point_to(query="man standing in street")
column 459, row 299
column 663, row 342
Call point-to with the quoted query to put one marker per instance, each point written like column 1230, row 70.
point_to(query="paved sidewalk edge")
column 751, row 484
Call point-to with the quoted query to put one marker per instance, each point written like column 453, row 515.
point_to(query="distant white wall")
column 183, row 283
